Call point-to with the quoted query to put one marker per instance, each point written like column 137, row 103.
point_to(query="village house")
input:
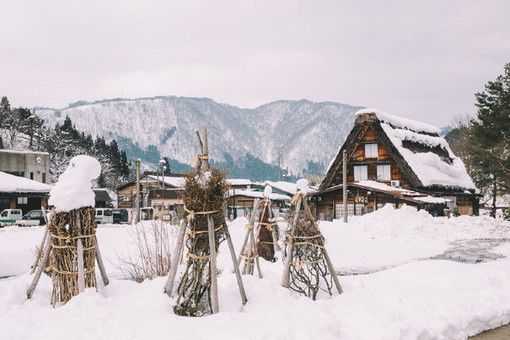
column 34, row 165
column 163, row 194
column 22, row 193
column 392, row 160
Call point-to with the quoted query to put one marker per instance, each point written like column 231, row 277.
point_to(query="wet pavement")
column 501, row 333
column 473, row 251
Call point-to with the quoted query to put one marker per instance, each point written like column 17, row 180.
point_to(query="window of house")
column 44, row 177
column 22, row 200
column 371, row 151
column 383, row 172
column 360, row 173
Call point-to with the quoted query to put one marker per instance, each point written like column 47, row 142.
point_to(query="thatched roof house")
column 402, row 154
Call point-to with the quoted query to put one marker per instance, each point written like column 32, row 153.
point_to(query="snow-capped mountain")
column 299, row 131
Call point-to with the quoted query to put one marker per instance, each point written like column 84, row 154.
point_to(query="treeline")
column 484, row 141
column 251, row 167
column 21, row 129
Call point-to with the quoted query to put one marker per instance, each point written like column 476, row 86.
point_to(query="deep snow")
column 418, row 298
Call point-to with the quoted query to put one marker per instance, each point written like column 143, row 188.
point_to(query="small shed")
column 240, row 202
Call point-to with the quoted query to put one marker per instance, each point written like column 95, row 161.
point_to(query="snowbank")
column 422, row 299
column 74, row 187
column 389, row 237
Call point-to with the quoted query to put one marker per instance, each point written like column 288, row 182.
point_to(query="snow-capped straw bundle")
column 70, row 245
column 308, row 268
column 204, row 199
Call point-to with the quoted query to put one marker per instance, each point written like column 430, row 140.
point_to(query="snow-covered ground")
column 411, row 292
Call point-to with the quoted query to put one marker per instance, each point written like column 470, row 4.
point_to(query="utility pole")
column 344, row 183
column 137, row 200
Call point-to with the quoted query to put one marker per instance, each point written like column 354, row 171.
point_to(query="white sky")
column 420, row 59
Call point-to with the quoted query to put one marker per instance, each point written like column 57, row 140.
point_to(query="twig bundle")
column 203, row 197
column 66, row 229
column 265, row 242
column 309, row 272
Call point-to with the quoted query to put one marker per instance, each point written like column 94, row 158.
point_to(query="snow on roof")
column 382, row 186
column 432, row 199
column 257, row 194
column 400, row 122
column 416, row 196
column 177, row 182
column 288, row 187
column 28, row 152
column 238, row 181
column 428, row 166
column 11, row 183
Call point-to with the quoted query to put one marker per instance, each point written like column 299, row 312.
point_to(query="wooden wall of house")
column 362, row 201
column 384, row 157
column 465, row 205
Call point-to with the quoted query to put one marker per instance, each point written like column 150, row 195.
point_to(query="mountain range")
column 288, row 133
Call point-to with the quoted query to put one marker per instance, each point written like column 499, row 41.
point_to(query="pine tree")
column 490, row 137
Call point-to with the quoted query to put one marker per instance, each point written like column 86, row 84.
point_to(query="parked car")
column 33, row 218
column 10, row 216
column 104, row 216
column 120, row 216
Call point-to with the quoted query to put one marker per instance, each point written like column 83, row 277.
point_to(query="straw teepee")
column 69, row 249
column 308, row 268
column 201, row 234
column 261, row 239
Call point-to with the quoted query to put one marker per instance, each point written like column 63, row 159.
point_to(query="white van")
column 10, row 216
column 104, row 216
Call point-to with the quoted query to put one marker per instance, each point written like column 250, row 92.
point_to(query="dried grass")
column 153, row 254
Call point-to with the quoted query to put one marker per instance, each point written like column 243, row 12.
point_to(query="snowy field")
column 423, row 278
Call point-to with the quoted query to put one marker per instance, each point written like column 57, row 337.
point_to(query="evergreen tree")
column 490, row 137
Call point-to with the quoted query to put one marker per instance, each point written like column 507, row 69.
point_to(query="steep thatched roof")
column 424, row 158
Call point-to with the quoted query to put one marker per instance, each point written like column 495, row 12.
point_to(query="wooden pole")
column 175, row 260
column 79, row 254
column 40, row 267
column 205, row 151
column 244, row 299
column 344, row 183
column 254, row 253
column 256, row 203
column 332, row 271
column 100, row 264
column 137, row 201
column 212, row 265
column 290, row 248
column 40, row 252
column 276, row 246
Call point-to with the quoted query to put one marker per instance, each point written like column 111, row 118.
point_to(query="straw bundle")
column 265, row 242
column 66, row 229
column 308, row 270
column 203, row 197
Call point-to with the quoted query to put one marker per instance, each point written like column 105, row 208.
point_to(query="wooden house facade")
column 162, row 194
column 392, row 160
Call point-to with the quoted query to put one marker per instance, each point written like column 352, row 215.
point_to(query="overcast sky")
column 420, row 59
